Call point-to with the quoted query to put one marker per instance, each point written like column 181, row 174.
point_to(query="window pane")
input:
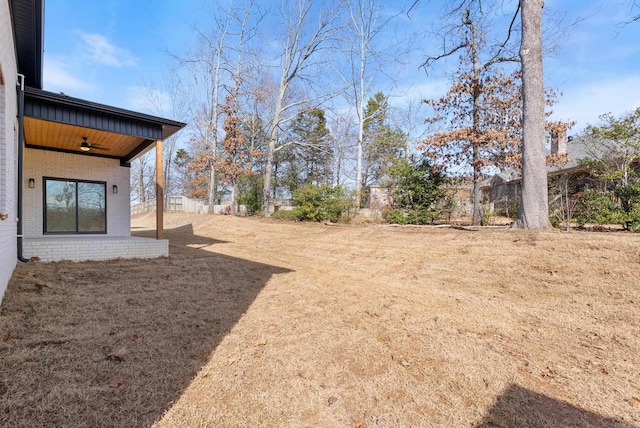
column 61, row 206
column 91, row 207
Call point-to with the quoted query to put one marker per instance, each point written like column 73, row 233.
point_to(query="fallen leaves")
column 116, row 381
column 260, row 342
column 118, row 354
column 39, row 286
column 634, row 400
column 6, row 336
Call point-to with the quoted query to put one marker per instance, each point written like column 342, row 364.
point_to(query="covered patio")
column 76, row 174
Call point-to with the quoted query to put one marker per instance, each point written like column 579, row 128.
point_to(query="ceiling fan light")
column 84, row 146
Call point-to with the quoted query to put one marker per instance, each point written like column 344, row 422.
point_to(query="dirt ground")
column 258, row 323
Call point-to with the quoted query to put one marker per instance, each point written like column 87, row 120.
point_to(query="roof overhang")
column 59, row 122
column 28, row 29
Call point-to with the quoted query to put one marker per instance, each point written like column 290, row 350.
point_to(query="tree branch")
column 430, row 60
column 502, row 46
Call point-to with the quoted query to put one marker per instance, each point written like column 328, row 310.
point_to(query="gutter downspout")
column 20, row 161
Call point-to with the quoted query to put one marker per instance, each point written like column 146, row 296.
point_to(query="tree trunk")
column 475, row 160
column 534, row 202
column 168, row 161
column 266, row 191
column 361, row 119
column 234, row 193
column 141, row 191
column 477, row 192
column 212, row 132
column 211, row 191
column 273, row 137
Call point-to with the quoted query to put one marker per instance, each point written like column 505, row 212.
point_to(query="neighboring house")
column 379, row 197
column 501, row 190
column 64, row 162
column 459, row 201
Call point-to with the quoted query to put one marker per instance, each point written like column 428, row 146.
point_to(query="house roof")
column 576, row 151
column 585, row 147
column 75, row 111
column 59, row 122
column 28, row 29
column 505, row 176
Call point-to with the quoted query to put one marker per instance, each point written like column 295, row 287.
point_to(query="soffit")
column 67, row 138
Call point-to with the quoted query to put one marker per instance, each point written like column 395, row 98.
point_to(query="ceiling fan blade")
column 86, row 146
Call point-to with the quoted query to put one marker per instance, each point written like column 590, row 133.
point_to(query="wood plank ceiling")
column 63, row 137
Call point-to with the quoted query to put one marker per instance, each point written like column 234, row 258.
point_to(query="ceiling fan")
column 86, row 146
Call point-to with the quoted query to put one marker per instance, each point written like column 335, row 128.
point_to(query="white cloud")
column 102, row 51
column 58, row 76
column 584, row 103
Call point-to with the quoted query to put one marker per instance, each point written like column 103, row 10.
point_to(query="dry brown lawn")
column 255, row 323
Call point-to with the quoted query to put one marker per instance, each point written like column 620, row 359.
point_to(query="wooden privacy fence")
column 184, row 204
column 188, row 205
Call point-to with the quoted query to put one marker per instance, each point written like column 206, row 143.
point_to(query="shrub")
column 488, row 215
column 629, row 196
column 320, row 203
column 288, row 215
column 417, row 192
column 511, row 208
column 597, row 207
column 250, row 193
column 415, row 216
column 397, row 216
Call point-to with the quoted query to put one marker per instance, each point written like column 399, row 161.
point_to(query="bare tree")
column 365, row 60
column 212, row 67
column 260, row 89
column 534, row 201
column 408, row 117
column 309, row 26
column 167, row 100
column 206, row 66
column 143, row 171
column 635, row 11
column 235, row 157
column 562, row 199
column 343, row 131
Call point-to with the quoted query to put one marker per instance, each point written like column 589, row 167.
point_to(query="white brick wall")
column 116, row 243
column 8, row 147
column 79, row 248
column 46, row 163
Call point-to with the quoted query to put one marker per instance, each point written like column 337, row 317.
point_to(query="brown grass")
column 258, row 323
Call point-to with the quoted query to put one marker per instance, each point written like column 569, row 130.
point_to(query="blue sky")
column 106, row 51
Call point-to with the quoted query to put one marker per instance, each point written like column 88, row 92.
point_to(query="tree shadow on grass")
column 521, row 407
column 115, row 343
